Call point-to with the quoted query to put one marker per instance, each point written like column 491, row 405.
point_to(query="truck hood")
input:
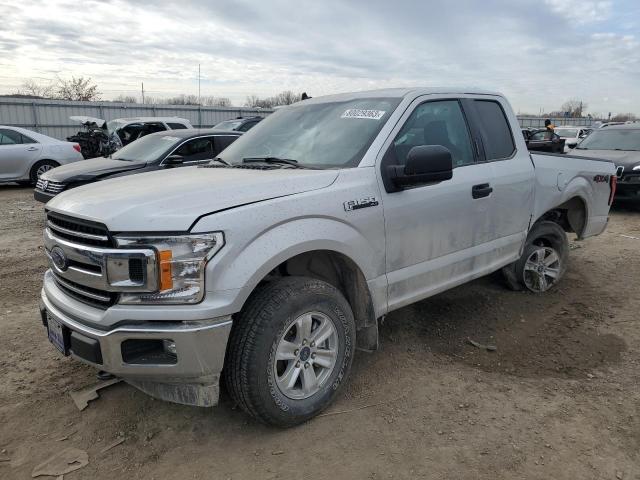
column 172, row 200
column 625, row 158
column 89, row 170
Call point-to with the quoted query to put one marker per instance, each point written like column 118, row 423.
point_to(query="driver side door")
column 437, row 234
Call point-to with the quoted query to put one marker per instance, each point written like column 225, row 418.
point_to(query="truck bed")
column 561, row 178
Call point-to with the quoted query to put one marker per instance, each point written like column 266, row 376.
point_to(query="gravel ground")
column 558, row 398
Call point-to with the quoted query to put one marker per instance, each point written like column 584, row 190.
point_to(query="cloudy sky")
column 539, row 53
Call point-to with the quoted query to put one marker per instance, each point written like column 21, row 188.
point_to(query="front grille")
column 90, row 296
column 79, row 231
column 630, row 179
column 49, row 186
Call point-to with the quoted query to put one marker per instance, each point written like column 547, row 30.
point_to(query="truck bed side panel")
column 560, row 178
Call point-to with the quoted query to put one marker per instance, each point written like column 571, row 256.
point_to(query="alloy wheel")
column 306, row 355
column 542, row 269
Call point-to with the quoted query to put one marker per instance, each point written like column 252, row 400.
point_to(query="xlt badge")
column 361, row 203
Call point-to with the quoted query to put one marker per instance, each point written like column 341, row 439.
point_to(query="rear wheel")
column 40, row 168
column 290, row 350
column 543, row 261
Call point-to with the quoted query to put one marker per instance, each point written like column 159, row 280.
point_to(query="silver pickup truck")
column 268, row 268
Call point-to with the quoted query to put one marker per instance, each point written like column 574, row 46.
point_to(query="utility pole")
column 143, row 93
column 199, row 102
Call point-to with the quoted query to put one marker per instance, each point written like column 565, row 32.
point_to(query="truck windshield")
column 146, row 149
column 316, row 135
column 613, row 139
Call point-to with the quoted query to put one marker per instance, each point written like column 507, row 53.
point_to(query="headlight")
column 637, row 167
column 181, row 263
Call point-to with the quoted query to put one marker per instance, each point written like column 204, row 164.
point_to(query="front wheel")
column 290, row 350
column 543, row 262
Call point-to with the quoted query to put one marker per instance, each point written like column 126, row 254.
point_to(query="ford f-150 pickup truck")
column 269, row 267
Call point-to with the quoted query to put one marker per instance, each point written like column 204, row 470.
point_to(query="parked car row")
column 26, row 155
column 157, row 151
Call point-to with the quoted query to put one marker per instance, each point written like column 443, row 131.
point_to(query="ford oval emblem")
column 59, row 259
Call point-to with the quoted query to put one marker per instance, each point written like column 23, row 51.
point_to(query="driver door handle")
column 32, row 149
column 481, row 190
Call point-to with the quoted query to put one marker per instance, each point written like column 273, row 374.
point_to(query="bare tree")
column 79, row 89
column 33, row 89
column 126, row 99
column 624, row 117
column 183, row 100
column 286, row 97
column 216, row 101
column 575, row 107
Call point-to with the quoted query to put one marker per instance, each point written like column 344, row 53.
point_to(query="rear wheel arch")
column 33, row 171
column 571, row 215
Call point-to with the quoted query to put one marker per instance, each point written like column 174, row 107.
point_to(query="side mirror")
column 174, row 160
column 425, row 164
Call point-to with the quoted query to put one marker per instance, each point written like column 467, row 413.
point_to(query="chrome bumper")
column 199, row 345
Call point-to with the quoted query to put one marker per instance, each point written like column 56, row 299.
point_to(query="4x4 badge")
column 361, row 203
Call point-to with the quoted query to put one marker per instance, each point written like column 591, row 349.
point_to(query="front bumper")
column 192, row 379
column 628, row 188
column 43, row 197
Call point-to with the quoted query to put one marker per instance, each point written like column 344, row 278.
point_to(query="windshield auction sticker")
column 358, row 113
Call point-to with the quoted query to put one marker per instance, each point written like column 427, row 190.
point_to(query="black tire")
column 543, row 234
column 249, row 373
column 33, row 174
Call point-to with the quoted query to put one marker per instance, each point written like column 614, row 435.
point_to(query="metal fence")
column 51, row 117
column 538, row 122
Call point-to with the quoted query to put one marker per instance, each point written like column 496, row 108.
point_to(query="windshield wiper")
column 277, row 160
column 222, row 161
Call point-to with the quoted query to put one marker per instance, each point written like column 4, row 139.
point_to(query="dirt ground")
column 558, row 399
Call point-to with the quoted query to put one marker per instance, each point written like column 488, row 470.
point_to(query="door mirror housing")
column 174, row 160
column 425, row 164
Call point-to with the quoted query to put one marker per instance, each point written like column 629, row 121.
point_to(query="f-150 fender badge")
column 360, row 203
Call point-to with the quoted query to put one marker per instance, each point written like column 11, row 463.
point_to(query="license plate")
column 56, row 334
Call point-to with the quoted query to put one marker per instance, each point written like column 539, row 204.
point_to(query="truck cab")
column 269, row 267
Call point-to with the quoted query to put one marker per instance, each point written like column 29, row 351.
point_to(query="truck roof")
column 400, row 93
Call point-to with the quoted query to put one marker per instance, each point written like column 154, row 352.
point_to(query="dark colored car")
column 543, row 141
column 239, row 124
column 175, row 148
column 621, row 145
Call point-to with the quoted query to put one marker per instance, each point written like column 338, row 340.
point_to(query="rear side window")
column 222, row 142
column 176, row 126
column 9, row 137
column 497, row 139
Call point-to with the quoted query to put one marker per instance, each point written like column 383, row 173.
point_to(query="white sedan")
column 25, row 155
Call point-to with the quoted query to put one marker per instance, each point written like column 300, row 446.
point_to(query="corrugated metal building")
column 51, row 117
